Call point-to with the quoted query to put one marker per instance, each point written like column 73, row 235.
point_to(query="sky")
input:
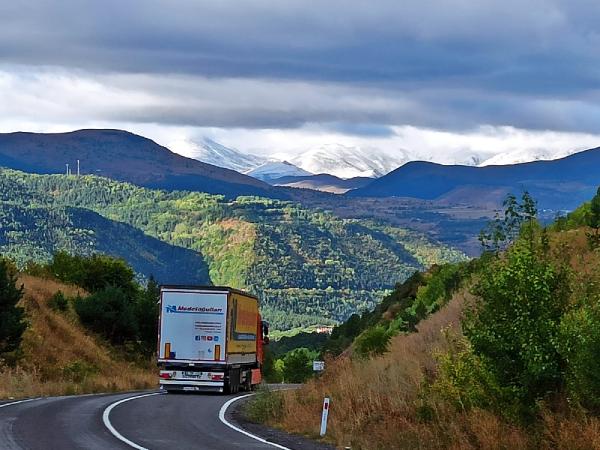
column 432, row 77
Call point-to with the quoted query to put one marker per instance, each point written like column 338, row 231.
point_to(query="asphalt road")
column 162, row 421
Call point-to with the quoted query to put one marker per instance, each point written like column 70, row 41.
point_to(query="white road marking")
column 230, row 425
column 109, row 426
column 17, row 402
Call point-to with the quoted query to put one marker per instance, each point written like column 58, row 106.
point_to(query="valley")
column 309, row 266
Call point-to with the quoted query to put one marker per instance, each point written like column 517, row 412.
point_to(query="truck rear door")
column 192, row 326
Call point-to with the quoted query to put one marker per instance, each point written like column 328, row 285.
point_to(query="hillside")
column 60, row 357
column 32, row 228
column 123, row 156
column 503, row 355
column 560, row 184
column 309, row 266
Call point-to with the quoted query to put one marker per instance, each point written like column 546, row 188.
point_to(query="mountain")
column 522, row 156
column 36, row 233
column 559, row 184
column 322, row 182
column 272, row 170
column 308, row 266
column 123, row 156
column 348, row 162
column 211, row 152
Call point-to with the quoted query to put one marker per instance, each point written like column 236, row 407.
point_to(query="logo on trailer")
column 193, row 309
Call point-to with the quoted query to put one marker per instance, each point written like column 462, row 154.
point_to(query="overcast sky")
column 271, row 75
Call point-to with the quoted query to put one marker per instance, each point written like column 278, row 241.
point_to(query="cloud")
column 351, row 67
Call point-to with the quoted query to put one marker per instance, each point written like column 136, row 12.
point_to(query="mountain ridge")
column 123, row 156
column 569, row 180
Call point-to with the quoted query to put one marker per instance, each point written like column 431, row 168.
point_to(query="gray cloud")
column 357, row 65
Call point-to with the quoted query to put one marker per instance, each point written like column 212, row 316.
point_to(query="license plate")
column 190, row 388
column 192, row 374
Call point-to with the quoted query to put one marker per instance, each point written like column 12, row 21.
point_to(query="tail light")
column 217, row 377
column 166, row 375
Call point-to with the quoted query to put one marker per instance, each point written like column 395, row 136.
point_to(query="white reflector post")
column 324, row 416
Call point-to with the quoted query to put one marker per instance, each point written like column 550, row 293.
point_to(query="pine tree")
column 12, row 324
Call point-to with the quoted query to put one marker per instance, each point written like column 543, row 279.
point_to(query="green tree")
column 515, row 325
column 12, row 323
column 298, row 365
column 109, row 312
column 506, row 227
column 374, row 341
column 146, row 311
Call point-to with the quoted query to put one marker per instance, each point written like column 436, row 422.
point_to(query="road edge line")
column 222, row 418
column 112, row 429
column 19, row 401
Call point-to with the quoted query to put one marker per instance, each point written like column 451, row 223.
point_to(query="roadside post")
column 324, row 416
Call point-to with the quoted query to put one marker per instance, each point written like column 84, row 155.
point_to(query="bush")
column 78, row 371
column 93, row 273
column 465, row 380
column 580, row 346
column 374, row 341
column 109, row 312
column 58, row 302
column 298, row 365
column 264, row 407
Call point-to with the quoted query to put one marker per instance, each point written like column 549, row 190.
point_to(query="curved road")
column 161, row 421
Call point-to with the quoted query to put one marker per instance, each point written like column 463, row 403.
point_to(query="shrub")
column 264, row 407
column 298, row 365
column 373, row 341
column 93, row 273
column 580, row 345
column 58, row 302
column 465, row 380
column 78, row 371
column 109, row 312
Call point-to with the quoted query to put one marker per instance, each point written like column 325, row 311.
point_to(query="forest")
column 308, row 266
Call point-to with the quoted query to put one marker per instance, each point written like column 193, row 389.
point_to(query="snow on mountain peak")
column 348, row 162
column 211, row 152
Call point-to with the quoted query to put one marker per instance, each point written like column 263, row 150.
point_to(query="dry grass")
column 59, row 357
column 378, row 403
column 375, row 402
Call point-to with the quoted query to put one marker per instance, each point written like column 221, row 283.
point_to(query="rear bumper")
column 189, row 385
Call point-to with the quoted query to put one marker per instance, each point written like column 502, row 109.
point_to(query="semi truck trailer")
column 210, row 339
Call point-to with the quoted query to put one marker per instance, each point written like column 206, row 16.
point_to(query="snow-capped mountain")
column 349, row 162
column 273, row 169
column 523, row 156
column 211, row 152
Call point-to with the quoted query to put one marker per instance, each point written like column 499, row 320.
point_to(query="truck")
column 210, row 338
